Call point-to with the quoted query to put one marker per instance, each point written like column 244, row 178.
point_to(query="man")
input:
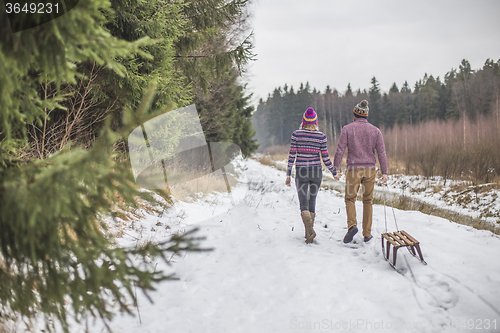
column 361, row 140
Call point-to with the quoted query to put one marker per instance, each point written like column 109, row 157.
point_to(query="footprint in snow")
column 442, row 294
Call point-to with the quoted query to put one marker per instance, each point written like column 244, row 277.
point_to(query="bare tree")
column 76, row 119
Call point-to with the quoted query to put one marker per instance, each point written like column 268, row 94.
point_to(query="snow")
column 458, row 196
column 262, row 277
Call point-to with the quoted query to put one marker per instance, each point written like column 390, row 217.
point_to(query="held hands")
column 336, row 177
column 384, row 177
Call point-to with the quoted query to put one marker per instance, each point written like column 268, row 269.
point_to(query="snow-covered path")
column 262, row 277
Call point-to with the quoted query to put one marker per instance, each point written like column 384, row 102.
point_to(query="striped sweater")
column 307, row 148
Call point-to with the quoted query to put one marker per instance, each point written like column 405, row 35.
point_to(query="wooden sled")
column 400, row 239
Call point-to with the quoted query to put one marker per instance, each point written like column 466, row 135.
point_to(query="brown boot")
column 308, row 223
column 305, row 218
column 312, row 234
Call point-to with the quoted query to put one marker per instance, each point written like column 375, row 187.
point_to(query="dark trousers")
column 308, row 182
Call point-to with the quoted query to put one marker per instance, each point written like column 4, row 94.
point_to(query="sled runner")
column 398, row 239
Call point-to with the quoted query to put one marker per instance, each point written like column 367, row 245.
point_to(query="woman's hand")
column 337, row 177
column 287, row 181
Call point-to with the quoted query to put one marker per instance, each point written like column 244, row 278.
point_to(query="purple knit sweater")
column 361, row 140
column 307, row 149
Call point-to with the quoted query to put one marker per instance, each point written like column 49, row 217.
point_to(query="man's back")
column 361, row 140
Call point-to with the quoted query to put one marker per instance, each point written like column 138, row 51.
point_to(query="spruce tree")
column 348, row 92
column 406, row 88
column 171, row 47
column 225, row 113
column 164, row 23
column 57, row 258
column 451, row 100
column 427, row 99
column 211, row 43
column 376, row 116
column 293, row 120
column 259, row 122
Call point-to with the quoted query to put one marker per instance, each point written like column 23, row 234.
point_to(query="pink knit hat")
column 310, row 117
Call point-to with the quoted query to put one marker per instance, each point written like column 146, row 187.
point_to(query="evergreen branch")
column 193, row 56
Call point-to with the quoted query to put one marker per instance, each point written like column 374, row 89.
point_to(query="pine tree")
column 396, row 106
column 166, row 63
column 406, row 88
column 394, row 88
column 376, row 116
column 451, row 100
column 56, row 256
column 427, row 99
column 208, row 47
column 259, row 121
column 211, row 54
column 304, row 100
column 164, row 23
column 291, row 123
column 225, row 113
column 348, row 92
column 275, row 118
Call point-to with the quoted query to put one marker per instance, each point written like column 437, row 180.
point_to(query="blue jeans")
column 307, row 182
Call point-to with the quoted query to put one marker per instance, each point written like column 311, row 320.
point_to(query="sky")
column 337, row 42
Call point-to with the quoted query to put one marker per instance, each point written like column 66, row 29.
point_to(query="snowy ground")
column 457, row 195
column 262, row 277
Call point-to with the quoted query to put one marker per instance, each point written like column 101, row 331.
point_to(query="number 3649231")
column 32, row 8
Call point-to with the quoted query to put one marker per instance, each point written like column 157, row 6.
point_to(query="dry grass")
column 395, row 167
column 407, row 203
column 276, row 150
column 273, row 154
column 266, row 160
column 201, row 185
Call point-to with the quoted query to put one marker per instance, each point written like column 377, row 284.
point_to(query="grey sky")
column 336, row 42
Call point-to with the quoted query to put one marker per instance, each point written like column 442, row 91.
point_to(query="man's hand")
column 337, row 177
column 287, row 181
column 384, row 179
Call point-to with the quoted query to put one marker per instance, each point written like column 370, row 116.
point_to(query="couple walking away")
column 308, row 146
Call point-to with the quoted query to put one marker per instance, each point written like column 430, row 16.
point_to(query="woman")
column 361, row 140
column 308, row 146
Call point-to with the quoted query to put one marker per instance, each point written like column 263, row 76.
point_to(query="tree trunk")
column 396, row 147
column 498, row 115
column 464, row 129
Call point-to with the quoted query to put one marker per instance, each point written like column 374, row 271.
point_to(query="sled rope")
column 385, row 213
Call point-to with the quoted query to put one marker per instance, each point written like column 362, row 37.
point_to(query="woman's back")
column 307, row 149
